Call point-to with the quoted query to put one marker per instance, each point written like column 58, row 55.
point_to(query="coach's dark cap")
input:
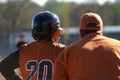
column 91, row 21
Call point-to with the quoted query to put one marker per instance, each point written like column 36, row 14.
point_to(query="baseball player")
column 21, row 41
column 36, row 59
column 93, row 57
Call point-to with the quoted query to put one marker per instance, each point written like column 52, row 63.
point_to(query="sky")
column 42, row 2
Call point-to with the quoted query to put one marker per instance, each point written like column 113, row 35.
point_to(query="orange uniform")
column 94, row 57
column 37, row 60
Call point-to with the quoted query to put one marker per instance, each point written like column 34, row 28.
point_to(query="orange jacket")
column 94, row 57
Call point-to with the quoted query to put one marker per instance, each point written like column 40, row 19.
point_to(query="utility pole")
column 66, row 22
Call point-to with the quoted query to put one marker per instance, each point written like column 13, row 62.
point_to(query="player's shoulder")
column 26, row 45
column 74, row 45
column 109, row 43
column 112, row 40
column 59, row 45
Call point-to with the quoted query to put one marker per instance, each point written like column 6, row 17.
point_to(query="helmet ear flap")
column 56, row 35
column 41, row 34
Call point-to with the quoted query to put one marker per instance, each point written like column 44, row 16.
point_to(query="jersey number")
column 43, row 69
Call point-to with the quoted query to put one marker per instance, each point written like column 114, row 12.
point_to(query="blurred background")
column 16, row 17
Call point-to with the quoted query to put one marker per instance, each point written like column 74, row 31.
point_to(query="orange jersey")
column 37, row 60
column 94, row 57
